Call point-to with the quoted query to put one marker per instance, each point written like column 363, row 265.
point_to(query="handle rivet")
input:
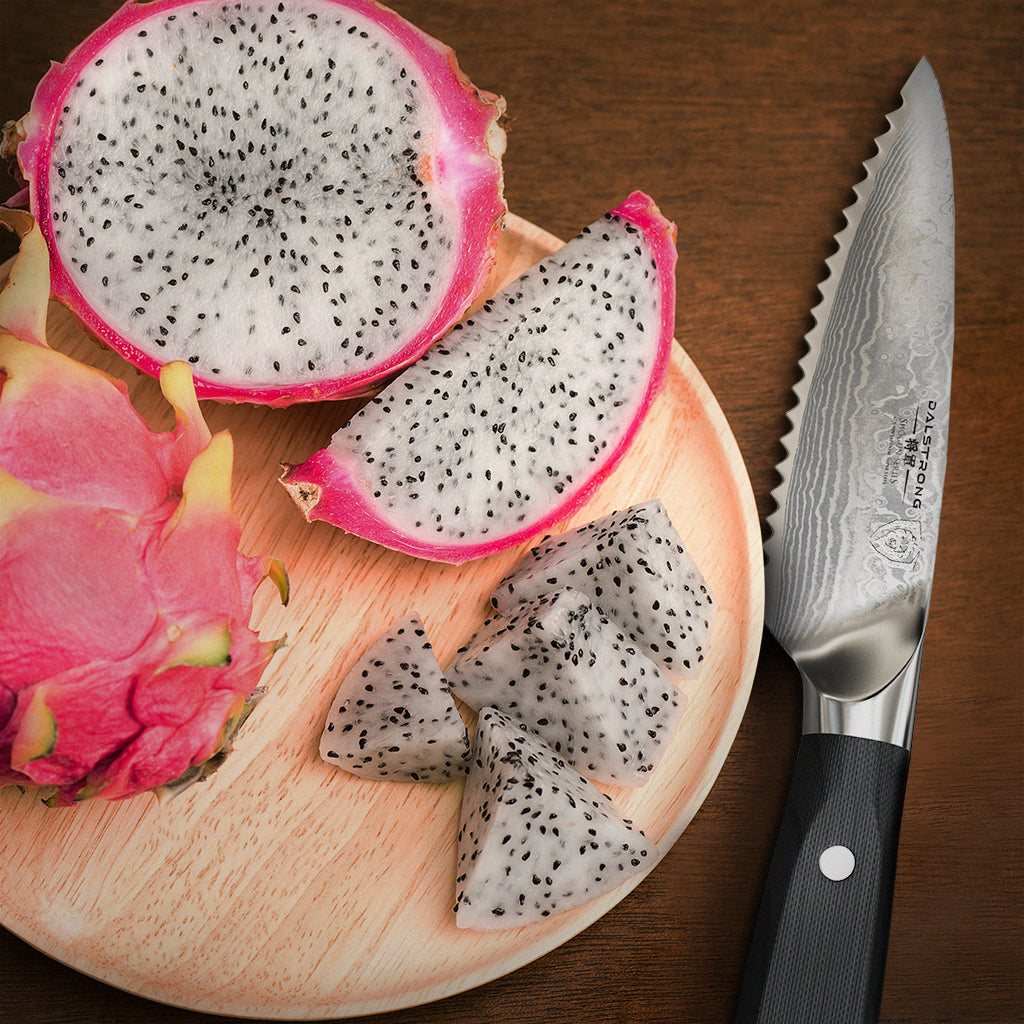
column 837, row 863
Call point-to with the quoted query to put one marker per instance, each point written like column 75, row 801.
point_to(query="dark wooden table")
column 748, row 121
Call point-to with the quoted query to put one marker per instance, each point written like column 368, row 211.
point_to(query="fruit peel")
column 127, row 659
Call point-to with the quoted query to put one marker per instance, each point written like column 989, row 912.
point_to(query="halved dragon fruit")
column 535, row 837
column 634, row 567
column 126, row 658
column 561, row 668
column 295, row 196
column 508, row 424
column 394, row 716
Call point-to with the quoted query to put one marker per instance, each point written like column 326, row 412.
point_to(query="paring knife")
column 848, row 573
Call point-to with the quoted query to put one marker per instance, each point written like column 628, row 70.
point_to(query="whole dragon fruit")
column 508, row 424
column 295, row 196
column 126, row 658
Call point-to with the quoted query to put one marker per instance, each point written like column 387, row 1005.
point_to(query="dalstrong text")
column 910, row 452
column 920, row 457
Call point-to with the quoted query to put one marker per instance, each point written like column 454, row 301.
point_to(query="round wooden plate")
column 284, row 888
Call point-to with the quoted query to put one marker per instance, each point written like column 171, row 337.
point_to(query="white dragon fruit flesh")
column 632, row 564
column 127, row 662
column 535, row 837
column 294, row 196
column 561, row 668
column 508, row 424
column 394, row 716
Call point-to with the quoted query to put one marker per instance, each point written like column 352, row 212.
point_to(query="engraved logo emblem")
column 898, row 542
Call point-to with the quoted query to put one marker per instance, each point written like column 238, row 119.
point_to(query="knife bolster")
column 887, row 715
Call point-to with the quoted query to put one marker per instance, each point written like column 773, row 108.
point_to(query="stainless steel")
column 887, row 715
column 851, row 553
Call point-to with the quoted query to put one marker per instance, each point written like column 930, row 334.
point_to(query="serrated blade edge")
column 788, row 579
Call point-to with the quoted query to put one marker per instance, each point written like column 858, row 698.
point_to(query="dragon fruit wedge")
column 394, row 716
column 561, row 668
column 535, row 837
column 297, row 197
column 634, row 567
column 508, row 424
column 126, row 658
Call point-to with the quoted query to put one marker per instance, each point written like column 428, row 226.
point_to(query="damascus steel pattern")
column 852, row 545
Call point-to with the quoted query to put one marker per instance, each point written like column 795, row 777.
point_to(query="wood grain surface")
column 748, row 121
column 332, row 896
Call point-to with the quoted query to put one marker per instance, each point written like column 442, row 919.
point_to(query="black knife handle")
column 818, row 951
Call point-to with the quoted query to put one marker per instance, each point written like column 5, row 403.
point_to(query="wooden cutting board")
column 285, row 888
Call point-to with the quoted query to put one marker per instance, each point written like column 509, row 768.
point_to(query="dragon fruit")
column 509, row 423
column 126, row 659
column 394, row 716
column 560, row 667
column 295, row 197
column 632, row 564
column 535, row 838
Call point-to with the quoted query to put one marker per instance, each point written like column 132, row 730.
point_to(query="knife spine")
column 834, row 265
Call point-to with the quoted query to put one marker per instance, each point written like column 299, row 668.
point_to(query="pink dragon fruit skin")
column 334, row 485
column 126, row 657
column 466, row 168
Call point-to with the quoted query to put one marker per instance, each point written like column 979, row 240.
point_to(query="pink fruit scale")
column 127, row 660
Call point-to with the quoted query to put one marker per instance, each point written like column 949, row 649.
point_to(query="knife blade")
column 849, row 561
